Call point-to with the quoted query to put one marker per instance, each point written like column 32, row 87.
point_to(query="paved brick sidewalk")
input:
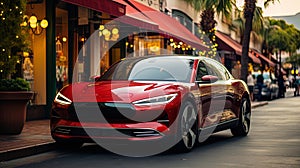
column 35, row 138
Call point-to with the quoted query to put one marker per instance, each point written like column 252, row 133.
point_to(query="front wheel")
column 244, row 120
column 188, row 127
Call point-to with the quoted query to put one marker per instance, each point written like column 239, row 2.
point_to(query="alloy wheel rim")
column 187, row 126
column 245, row 116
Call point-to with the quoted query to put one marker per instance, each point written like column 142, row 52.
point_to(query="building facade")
column 84, row 38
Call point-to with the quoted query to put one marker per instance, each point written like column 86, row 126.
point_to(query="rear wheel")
column 188, row 127
column 244, row 120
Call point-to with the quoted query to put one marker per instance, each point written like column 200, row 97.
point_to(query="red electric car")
column 153, row 98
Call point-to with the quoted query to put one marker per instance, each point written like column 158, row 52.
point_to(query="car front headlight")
column 61, row 99
column 159, row 100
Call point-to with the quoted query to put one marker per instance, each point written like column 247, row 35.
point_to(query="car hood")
column 120, row 91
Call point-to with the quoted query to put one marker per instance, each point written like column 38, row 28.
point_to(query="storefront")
column 230, row 52
column 175, row 37
column 266, row 64
column 54, row 48
column 84, row 38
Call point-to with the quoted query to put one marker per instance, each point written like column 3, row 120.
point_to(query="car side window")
column 201, row 71
column 216, row 69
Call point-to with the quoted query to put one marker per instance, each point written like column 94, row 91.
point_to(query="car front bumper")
column 72, row 130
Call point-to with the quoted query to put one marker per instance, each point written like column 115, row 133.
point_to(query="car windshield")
column 151, row 69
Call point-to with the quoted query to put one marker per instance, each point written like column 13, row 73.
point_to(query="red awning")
column 169, row 26
column 254, row 58
column 229, row 41
column 145, row 17
column 235, row 46
column 272, row 64
column 106, row 6
column 134, row 17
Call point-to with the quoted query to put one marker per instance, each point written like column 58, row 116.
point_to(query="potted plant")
column 14, row 93
column 14, row 97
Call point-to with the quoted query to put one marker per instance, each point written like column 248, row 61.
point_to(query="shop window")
column 61, row 48
column 184, row 19
column 144, row 44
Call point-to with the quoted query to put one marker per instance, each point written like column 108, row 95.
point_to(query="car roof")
column 171, row 56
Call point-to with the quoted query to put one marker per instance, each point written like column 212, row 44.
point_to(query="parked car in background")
column 150, row 99
column 269, row 89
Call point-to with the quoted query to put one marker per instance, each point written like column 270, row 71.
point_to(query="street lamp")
column 36, row 26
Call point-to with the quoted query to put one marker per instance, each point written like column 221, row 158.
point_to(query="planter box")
column 13, row 110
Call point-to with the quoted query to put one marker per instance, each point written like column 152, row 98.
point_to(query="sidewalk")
column 35, row 138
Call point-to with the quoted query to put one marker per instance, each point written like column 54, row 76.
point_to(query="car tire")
column 187, row 128
column 243, row 127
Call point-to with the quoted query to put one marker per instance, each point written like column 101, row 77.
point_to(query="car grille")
column 101, row 132
column 101, row 112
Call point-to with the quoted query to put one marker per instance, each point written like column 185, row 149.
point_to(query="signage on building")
column 155, row 4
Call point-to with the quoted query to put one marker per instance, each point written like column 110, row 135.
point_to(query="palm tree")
column 238, row 24
column 249, row 9
column 281, row 36
column 209, row 8
column 269, row 26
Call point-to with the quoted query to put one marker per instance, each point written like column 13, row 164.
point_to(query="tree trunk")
column 276, row 66
column 280, row 73
column 248, row 14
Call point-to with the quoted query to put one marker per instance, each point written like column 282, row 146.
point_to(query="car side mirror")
column 208, row 79
column 94, row 78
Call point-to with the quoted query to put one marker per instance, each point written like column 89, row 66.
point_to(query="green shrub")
column 18, row 84
column 14, row 39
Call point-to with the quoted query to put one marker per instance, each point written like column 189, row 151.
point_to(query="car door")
column 211, row 94
column 214, row 95
column 205, row 92
column 225, row 92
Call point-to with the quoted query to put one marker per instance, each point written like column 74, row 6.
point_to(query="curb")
column 255, row 105
column 26, row 151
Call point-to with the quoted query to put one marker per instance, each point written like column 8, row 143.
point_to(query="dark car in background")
column 269, row 89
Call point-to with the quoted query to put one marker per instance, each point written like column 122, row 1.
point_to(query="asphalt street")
column 274, row 141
